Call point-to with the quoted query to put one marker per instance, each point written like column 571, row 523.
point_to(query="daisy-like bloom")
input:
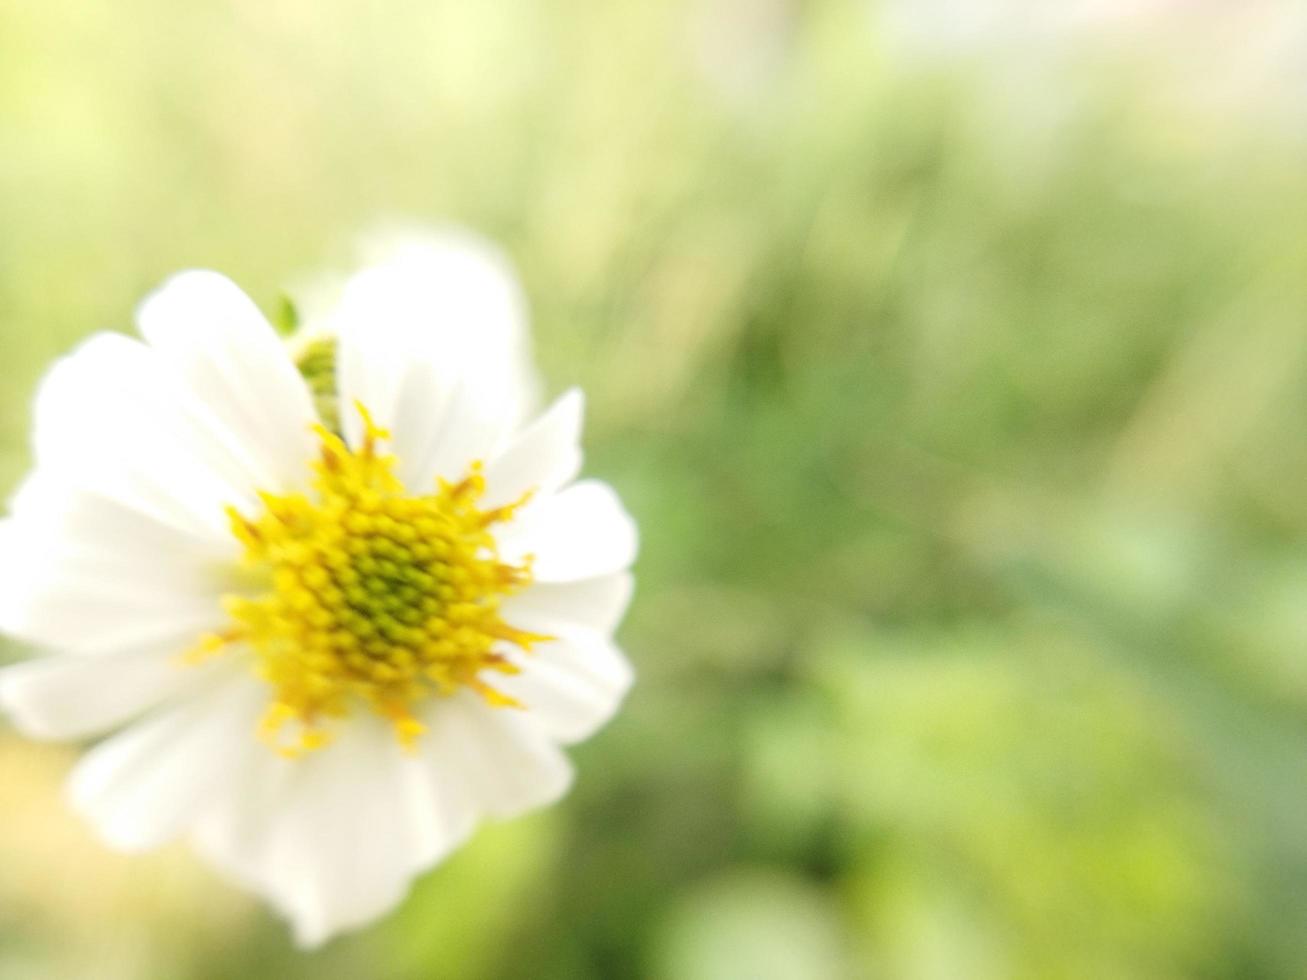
column 329, row 603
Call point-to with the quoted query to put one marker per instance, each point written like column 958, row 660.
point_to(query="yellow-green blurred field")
column 962, row 400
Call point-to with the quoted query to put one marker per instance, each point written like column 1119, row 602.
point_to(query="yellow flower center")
column 371, row 596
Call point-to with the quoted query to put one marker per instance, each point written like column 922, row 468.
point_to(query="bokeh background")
column 953, row 357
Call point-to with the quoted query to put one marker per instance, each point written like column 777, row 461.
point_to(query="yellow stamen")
column 371, row 596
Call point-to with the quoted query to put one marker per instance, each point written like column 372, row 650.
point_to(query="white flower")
column 330, row 653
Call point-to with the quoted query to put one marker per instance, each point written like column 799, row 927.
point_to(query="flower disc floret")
column 372, row 596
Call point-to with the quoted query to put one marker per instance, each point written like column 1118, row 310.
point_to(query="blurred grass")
column 965, row 435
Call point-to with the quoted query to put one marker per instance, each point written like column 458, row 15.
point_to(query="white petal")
column 542, row 458
column 233, row 832
column 575, row 685
column 334, row 838
column 377, row 367
column 111, row 418
column 63, row 697
column 425, row 409
column 504, row 761
column 331, row 838
column 227, row 354
column 597, row 603
column 468, row 429
column 581, row 532
column 92, row 519
column 146, row 785
column 443, row 810
column 571, row 686
column 82, row 572
column 435, row 316
column 338, row 855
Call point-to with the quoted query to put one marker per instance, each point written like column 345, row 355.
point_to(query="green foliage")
column 966, row 442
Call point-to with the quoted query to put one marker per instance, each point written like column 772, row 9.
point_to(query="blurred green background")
column 958, row 380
